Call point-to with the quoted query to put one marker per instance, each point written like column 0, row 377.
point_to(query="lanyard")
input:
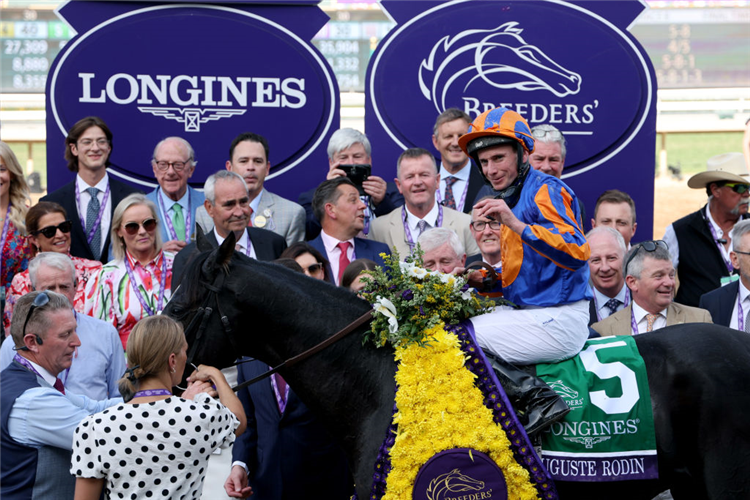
column 633, row 324
column 407, row 231
column 727, row 262
column 25, row 362
column 460, row 205
column 596, row 304
column 98, row 221
column 140, row 297
column 740, row 313
column 170, row 227
column 152, row 392
column 6, row 225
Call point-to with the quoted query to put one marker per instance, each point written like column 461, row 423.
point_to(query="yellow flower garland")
column 439, row 408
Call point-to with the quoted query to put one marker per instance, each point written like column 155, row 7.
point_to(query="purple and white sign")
column 570, row 64
column 200, row 71
column 460, row 473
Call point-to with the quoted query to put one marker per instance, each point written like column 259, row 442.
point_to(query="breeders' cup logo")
column 199, row 71
column 502, row 58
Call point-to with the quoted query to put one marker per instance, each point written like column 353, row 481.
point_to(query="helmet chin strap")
column 512, row 193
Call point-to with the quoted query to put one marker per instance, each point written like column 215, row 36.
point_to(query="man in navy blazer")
column 286, row 452
column 176, row 202
column 87, row 150
column 341, row 212
column 727, row 302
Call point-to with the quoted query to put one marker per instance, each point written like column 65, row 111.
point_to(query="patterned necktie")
column 450, row 201
column 178, row 222
column 421, row 225
column 343, row 258
column 650, row 319
column 250, row 218
column 59, row 385
column 747, row 322
column 612, row 305
column 281, row 384
column 92, row 213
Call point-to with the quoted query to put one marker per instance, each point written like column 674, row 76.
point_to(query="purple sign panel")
column 202, row 72
column 570, row 64
column 460, row 473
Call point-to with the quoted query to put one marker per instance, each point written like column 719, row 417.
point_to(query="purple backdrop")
column 571, row 64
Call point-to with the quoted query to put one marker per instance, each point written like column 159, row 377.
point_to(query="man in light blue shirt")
column 100, row 361
column 37, row 417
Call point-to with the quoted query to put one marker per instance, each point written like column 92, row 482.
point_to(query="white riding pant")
column 534, row 334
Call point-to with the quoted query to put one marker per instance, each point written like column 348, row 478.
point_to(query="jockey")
column 544, row 257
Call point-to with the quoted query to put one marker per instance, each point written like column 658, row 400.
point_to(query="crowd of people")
column 87, row 270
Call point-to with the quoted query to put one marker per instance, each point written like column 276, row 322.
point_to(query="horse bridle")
column 204, row 313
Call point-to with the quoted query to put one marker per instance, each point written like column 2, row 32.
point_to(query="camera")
column 357, row 174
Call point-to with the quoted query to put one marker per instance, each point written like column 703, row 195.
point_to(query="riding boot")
column 536, row 404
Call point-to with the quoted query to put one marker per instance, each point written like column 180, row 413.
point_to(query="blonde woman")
column 137, row 282
column 155, row 443
column 14, row 200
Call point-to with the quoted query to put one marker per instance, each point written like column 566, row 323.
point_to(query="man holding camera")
column 347, row 148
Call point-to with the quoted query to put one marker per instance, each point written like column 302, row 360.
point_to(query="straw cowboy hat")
column 727, row 167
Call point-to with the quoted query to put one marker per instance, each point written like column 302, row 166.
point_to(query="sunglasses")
column 132, row 227
column 314, row 268
column 40, row 300
column 737, row 187
column 51, row 231
column 649, row 246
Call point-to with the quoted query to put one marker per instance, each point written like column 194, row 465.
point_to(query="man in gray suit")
column 418, row 180
column 248, row 157
column 649, row 274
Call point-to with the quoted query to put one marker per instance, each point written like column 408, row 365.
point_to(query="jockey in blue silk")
column 544, row 256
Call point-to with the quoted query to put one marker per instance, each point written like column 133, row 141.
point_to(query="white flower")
column 387, row 309
column 467, row 294
column 418, row 272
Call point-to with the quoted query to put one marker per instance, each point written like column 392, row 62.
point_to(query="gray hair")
column 185, row 144
column 39, row 323
column 118, row 245
column 449, row 115
column 614, row 233
column 345, row 138
column 209, row 188
column 328, row 192
column 634, row 267
column 413, row 153
column 740, row 229
column 52, row 259
column 438, row 236
column 550, row 134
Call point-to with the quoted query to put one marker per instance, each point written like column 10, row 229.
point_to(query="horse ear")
column 226, row 250
column 201, row 241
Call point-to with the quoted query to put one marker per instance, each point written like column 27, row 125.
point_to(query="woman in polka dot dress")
column 156, row 445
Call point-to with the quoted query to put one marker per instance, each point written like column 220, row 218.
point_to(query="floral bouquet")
column 409, row 300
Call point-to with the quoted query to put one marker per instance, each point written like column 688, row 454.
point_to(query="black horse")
column 697, row 374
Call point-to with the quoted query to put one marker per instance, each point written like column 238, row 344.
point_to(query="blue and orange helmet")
column 495, row 127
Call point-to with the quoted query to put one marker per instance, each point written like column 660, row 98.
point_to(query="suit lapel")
column 675, row 315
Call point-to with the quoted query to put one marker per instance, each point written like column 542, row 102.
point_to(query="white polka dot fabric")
column 153, row 450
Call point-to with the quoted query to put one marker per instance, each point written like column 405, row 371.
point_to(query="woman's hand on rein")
column 197, row 387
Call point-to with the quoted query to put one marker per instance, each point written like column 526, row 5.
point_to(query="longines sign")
column 200, row 71
column 571, row 64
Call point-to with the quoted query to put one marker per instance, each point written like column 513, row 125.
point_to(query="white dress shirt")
column 412, row 220
column 601, row 301
column 640, row 318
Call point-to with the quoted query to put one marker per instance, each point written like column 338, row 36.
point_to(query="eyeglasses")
column 737, row 187
column 178, row 166
column 314, row 268
column 649, row 246
column 102, row 142
column 51, row 231
column 132, row 227
column 40, row 300
column 479, row 225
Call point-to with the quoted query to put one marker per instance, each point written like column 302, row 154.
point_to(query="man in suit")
column 460, row 180
column 700, row 241
column 650, row 278
column 418, row 180
column 173, row 164
column 351, row 147
column 341, row 213
column 607, row 281
column 616, row 209
column 286, row 452
column 248, row 157
column 228, row 205
column 93, row 195
column 729, row 305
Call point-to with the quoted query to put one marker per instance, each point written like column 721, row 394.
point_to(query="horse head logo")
column 563, row 390
column 500, row 57
column 452, row 482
